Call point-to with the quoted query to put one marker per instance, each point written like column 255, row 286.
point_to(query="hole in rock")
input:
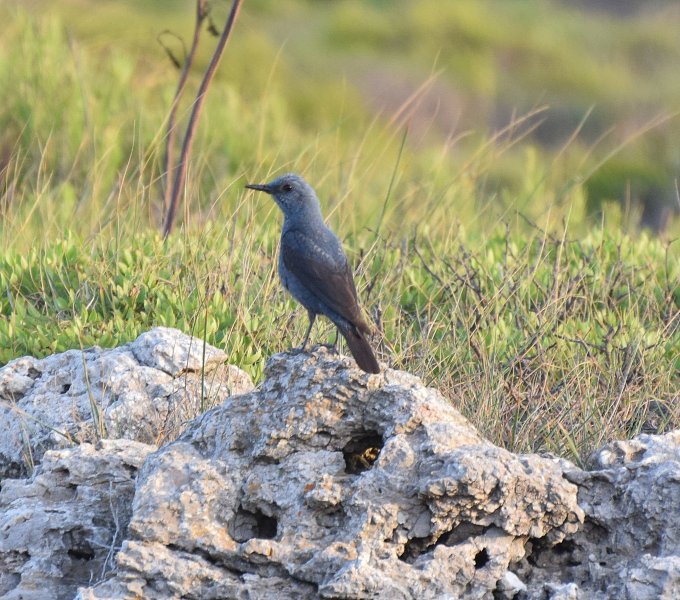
column 65, row 388
column 333, row 519
column 564, row 547
column 482, row 558
column 247, row 525
column 461, row 533
column 596, row 533
column 566, row 553
column 265, row 460
column 563, row 555
column 414, row 548
column 82, row 553
column 361, row 452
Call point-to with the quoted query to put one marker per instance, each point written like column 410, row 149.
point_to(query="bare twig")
column 168, row 172
column 181, row 168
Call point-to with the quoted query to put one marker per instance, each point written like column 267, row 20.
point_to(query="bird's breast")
column 284, row 275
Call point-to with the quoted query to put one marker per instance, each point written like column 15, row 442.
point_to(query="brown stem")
column 181, row 169
column 168, row 172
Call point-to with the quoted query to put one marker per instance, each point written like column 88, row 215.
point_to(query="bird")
column 314, row 269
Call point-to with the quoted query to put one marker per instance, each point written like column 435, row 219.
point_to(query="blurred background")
column 536, row 105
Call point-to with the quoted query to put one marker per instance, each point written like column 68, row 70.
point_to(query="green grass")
column 482, row 263
column 545, row 344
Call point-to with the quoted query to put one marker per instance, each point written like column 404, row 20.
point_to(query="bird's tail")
column 361, row 350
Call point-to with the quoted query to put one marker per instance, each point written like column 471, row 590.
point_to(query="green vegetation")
column 502, row 267
column 544, row 343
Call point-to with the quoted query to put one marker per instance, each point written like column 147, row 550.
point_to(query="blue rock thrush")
column 314, row 269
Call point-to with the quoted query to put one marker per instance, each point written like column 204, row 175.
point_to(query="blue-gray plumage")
column 314, row 268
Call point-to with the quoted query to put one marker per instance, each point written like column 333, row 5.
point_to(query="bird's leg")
column 312, row 318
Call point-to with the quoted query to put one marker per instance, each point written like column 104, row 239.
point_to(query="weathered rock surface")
column 629, row 546
column 331, row 483
column 328, row 482
column 145, row 390
column 60, row 528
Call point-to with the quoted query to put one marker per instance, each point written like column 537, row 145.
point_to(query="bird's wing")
column 321, row 266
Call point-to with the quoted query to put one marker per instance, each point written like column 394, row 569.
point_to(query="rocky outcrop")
column 145, row 390
column 327, row 482
column 61, row 528
column 629, row 545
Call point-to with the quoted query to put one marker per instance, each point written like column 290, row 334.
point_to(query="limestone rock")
column 61, row 528
column 146, row 390
column 331, row 483
column 629, row 546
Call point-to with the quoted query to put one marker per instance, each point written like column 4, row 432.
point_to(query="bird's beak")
column 259, row 187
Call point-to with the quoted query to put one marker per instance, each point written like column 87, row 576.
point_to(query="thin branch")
column 168, row 172
column 181, row 169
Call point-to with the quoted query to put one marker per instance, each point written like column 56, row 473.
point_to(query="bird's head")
column 292, row 193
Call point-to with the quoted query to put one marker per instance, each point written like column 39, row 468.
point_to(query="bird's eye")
column 287, row 187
